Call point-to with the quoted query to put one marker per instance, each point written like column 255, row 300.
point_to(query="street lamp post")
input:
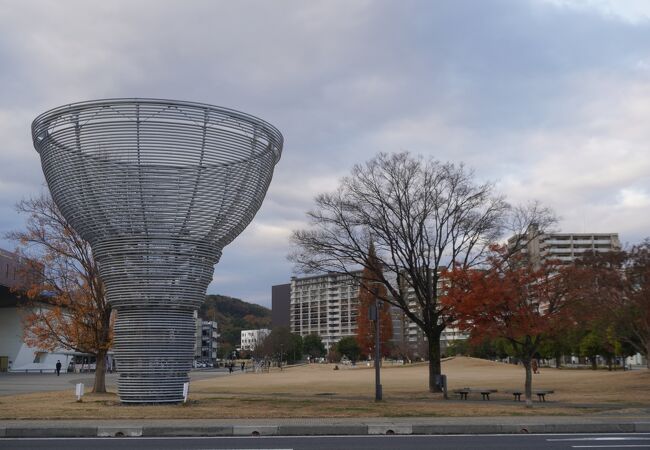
column 375, row 316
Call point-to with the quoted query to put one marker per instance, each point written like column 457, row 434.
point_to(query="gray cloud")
column 547, row 97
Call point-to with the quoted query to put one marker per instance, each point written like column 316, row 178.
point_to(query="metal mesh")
column 158, row 188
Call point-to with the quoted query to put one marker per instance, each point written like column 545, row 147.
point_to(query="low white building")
column 15, row 354
column 252, row 338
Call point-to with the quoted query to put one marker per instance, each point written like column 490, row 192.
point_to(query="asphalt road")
column 482, row 442
column 20, row 383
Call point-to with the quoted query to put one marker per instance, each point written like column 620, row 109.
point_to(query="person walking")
column 243, row 365
column 58, row 367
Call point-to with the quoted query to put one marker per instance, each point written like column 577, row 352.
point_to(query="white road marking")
column 612, row 438
column 611, row 446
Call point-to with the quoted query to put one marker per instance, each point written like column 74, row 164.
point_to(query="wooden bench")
column 541, row 394
column 485, row 393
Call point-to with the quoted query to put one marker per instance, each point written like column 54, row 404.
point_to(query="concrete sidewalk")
column 306, row 427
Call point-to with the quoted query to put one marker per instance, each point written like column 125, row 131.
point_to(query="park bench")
column 462, row 392
column 485, row 393
column 541, row 394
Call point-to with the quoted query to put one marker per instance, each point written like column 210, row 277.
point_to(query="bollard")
column 79, row 391
column 186, row 391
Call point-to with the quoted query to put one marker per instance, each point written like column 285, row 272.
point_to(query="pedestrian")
column 230, row 367
column 535, row 366
column 243, row 364
column 58, row 367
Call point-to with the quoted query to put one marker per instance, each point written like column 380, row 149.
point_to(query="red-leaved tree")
column 369, row 292
column 614, row 289
column 510, row 299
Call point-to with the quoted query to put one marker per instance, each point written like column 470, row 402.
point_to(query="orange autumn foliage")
column 510, row 299
column 369, row 291
column 66, row 304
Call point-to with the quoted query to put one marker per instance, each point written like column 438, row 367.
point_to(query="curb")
column 119, row 431
column 32, row 432
column 217, row 430
column 353, row 429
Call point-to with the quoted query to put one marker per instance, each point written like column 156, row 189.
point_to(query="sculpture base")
column 154, row 349
column 133, row 389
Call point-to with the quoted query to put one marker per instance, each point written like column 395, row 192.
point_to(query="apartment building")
column 206, row 341
column 565, row 247
column 413, row 336
column 326, row 305
column 250, row 339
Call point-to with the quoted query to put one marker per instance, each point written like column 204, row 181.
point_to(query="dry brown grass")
column 319, row 391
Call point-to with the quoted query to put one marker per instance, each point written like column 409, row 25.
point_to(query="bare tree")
column 423, row 216
column 73, row 313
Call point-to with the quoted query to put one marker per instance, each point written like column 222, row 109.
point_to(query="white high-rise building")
column 326, row 305
column 565, row 247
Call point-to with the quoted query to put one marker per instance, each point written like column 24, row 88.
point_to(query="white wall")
column 10, row 333
column 21, row 356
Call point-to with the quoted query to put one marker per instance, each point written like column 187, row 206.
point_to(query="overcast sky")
column 548, row 98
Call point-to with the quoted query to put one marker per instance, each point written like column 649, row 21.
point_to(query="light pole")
column 375, row 315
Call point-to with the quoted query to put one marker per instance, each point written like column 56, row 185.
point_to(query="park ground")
column 317, row 390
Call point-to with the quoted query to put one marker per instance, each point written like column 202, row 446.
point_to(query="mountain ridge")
column 233, row 315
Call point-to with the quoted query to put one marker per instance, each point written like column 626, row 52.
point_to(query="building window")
column 39, row 357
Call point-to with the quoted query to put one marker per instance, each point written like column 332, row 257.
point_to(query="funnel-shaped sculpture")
column 158, row 188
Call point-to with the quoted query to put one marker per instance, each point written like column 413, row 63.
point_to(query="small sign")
column 186, row 391
column 79, row 390
column 372, row 312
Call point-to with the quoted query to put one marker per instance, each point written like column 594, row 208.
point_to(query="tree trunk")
column 528, row 387
column 594, row 363
column 558, row 361
column 434, row 362
column 647, row 355
column 100, row 373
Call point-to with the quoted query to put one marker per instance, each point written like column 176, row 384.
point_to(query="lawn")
column 319, row 391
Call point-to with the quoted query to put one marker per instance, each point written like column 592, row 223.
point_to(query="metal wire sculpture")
column 158, row 188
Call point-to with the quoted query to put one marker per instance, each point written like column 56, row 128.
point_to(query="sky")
column 549, row 99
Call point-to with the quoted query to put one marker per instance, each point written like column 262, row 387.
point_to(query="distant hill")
column 232, row 316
